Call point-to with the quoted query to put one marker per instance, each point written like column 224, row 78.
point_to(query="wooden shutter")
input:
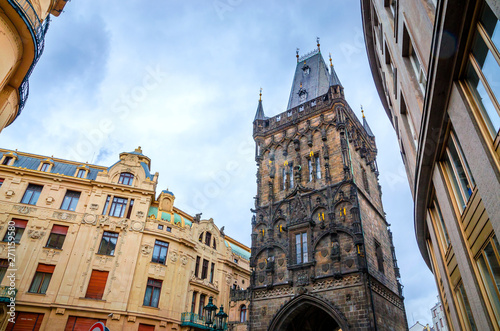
column 81, row 323
column 97, row 283
column 47, row 268
column 145, row 327
column 20, row 223
column 59, row 229
column 26, row 322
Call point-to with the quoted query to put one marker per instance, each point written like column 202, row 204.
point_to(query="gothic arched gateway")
column 308, row 313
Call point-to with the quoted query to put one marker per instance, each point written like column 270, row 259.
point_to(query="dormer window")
column 302, row 94
column 208, row 238
column 82, row 173
column 126, row 178
column 6, row 160
column 45, row 167
column 306, row 69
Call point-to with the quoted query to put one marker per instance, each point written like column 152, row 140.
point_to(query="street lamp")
column 219, row 320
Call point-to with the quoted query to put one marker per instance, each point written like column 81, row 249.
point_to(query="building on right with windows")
column 436, row 66
column 438, row 317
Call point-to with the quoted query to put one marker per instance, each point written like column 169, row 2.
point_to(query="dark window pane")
column 31, row 195
column 108, row 243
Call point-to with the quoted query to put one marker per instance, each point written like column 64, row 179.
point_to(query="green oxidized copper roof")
column 165, row 216
column 177, row 218
column 238, row 250
column 153, row 211
column 188, row 222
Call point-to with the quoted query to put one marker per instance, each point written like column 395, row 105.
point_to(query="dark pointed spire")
column 334, row 80
column 259, row 115
column 365, row 124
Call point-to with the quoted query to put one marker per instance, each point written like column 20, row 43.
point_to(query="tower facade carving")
column 322, row 253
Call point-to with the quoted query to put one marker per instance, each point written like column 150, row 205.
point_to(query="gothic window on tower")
column 380, row 256
column 301, row 247
column 290, row 170
column 365, row 180
column 310, row 169
column 284, row 178
column 318, row 166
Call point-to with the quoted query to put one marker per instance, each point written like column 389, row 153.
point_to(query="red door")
column 26, row 322
column 145, row 327
column 81, row 323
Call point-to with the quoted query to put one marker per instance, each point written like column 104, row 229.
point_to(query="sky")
column 181, row 79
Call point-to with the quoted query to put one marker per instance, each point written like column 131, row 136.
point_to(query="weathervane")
column 317, row 40
column 297, row 51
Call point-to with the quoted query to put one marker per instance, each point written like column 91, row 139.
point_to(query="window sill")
column 35, row 293
column 156, row 308
column 301, row 265
column 93, row 299
column 57, row 249
column 159, row 263
column 101, row 254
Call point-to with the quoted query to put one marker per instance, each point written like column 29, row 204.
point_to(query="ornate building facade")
column 322, row 253
column 87, row 243
column 23, row 24
column 436, row 66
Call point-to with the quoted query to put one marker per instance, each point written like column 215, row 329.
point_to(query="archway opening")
column 308, row 317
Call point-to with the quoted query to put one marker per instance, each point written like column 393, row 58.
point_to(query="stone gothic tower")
column 322, row 253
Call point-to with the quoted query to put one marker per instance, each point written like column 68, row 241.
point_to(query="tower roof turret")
column 259, row 115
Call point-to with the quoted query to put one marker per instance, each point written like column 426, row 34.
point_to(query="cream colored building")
column 95, row 243
column 23, row 24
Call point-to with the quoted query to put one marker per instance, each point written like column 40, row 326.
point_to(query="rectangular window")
column 458, row 172
column 4, row 265
column 318, row 167
column 130, row 206
column 81, row 173
column 105, row 209
column 212, row 270
column 204, row 269
column 301, row 247
column 488, row 264
column 417, row 67
column 108, row 243
column 310, row 169
column 16, row 233
column 169, row 229
column 380, row 256
column 438, row 220
column 160, row 226
column 42, row 278
column 152, row 295
column 464, row 308
column 70, row 200
column 32, row 193
column 160, row 252
column 290, row 169
column 484, row 69
column 197, row 266
column 26, row 321
column 57, row 236
column 202, row 305
column 45, row 167
column 118, row 207
column 193, row 302
column 97, row 284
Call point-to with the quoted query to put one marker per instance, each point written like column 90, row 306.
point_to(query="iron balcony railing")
column 38, row 29
column 194, row 320
column 6, row 293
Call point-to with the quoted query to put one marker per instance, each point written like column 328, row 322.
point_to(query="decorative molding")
column 60, row 311
column 89, row 219
column 35, row 234
column 94, row 206
column 116, row 317
column 64, row 216
column 205, row 282
column 276, row 292
column 337, row 283
column 386, row 294
column 146, row 249
column 131, row 319
column 163, row 324
column 24, row 209
column 137, row 226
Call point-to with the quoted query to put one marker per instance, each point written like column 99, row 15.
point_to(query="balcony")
column 194, row 320
column 37, row 29
column 5, row 296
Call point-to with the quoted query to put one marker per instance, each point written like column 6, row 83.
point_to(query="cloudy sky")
column 181, row 79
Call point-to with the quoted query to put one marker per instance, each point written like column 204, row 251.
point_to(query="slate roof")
column 311, row 77
column 259, row 115
column 367, row 128
column 67, row 169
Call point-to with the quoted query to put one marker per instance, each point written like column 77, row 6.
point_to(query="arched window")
column 126, row 178
column 200, row 239
column 208, row 238
column 214, row 244
column 243, row 313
